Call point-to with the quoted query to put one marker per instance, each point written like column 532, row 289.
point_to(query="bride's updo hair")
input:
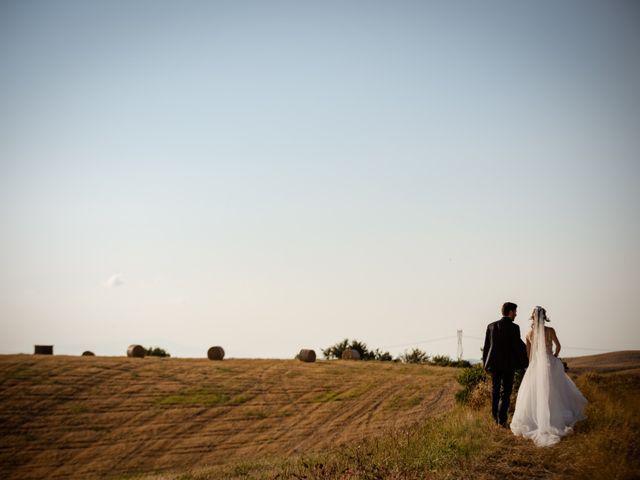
column 543, row 313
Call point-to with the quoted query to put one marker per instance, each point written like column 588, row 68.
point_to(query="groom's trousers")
column 501, row 395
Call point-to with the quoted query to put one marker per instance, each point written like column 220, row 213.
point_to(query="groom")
column 503, row 353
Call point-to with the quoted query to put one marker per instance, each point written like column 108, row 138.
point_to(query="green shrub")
column 156, row 352
column 415, row 356
column 381, row 356
column 419, row 356
column 446, row 361
column 441, row 360
column 469, row 378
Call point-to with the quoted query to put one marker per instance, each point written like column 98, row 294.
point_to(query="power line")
column 461, row 338
column 564, row 346
column 419, row 342
column 475, row 338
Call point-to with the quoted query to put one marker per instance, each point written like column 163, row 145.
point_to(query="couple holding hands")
column 548, row 402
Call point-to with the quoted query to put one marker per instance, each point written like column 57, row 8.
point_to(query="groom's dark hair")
column 508, row 307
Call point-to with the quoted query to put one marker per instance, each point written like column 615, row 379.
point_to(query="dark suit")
column 501, row 356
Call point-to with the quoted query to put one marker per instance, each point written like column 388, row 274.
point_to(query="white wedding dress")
column 548, row 402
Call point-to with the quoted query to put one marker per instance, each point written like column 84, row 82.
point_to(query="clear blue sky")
column 270, row 175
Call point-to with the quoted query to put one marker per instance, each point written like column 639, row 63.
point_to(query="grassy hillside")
column 90, row 417
column 605, row 362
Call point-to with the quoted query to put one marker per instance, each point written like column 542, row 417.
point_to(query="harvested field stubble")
column 65, row 417
column 466, row 444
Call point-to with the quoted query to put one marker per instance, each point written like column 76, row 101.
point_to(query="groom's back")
column 501, row 340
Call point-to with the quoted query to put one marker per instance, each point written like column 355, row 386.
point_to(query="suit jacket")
column 503, row 347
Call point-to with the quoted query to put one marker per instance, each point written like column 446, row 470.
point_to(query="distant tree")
column 362, row 349
column 446, row 361
column 415, row 356
column 441, row 360
column 418, row 356
column 382, row 356
column 335, row 351
column 156, row 352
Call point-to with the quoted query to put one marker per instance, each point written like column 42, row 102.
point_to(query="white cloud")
column 115, row 281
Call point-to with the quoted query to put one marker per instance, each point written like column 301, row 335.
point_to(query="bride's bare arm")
column 528, row 349
column 554, row 339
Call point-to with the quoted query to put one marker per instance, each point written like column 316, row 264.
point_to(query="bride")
column 548, row 402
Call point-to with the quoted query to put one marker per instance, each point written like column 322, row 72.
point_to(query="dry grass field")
column 97, row 417
column 190, row 419
column 466, row 444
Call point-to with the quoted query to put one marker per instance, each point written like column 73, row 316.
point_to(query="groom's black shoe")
column 501, row 424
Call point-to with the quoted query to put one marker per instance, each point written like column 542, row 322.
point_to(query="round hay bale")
column 137, row 351
column 88, row 354
column 215, row 353
column 307, row 356
column 43, row 350
column 350, row 354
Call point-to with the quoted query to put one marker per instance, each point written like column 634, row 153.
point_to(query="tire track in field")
column 276, row 433
column 347, row 425
column 190, row 437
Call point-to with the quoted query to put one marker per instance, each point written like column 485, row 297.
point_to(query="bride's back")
column 549, row 335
